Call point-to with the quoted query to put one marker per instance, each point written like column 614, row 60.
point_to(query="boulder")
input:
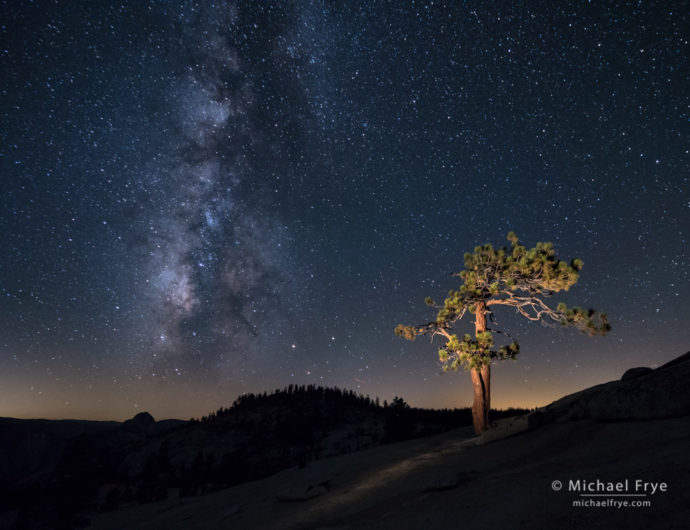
column 632, row 373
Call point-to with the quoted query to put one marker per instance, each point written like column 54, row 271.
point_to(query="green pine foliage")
column 517, row 277
column 472, row 353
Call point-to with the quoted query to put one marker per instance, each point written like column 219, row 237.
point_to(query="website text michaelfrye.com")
column 597, row 493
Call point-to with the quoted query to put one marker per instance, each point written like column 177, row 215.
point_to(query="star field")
column 201, row 199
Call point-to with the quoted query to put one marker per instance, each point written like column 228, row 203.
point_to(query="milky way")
column 203, row 199
column 213, row 254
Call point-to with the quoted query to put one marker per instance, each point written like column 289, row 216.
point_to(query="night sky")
column 203, row 199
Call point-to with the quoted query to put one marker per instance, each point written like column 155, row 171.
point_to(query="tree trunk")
column 481, row 381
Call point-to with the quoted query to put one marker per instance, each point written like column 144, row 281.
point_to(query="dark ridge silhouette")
column 56, row 470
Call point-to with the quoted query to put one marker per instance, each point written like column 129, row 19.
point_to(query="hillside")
column 53, row 471
column 447, row 482
column 504, row 479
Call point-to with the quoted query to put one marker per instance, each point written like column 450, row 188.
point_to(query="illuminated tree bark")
column 481, row 381
column 517, row 278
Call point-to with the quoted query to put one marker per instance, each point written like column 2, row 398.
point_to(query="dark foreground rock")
column 654, row 394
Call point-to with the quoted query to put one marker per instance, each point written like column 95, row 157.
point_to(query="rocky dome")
column 141, row 424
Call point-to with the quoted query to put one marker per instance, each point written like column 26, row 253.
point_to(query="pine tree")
column 516, row 277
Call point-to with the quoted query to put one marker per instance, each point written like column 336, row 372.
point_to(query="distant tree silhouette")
column 399, row 404
column 514, row 277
